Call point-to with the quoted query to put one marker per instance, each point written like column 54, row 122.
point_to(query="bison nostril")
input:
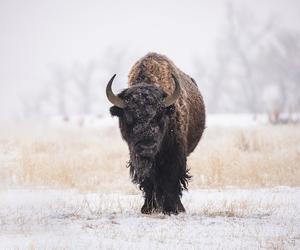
column 146, row 144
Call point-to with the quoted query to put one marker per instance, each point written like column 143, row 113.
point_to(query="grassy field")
column 69, row 188
column 95, row 160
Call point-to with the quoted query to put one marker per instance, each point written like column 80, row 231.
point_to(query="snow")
column 236, row 120
column 213, row 120
column 34, row 217
column 87, row 121
column 215, row 219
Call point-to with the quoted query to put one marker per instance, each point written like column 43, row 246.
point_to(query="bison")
column 162, row 118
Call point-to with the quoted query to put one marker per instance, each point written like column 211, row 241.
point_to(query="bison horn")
column 172, row 98
column 115, row 100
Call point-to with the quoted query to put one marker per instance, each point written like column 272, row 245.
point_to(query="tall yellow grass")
column 95, row 160
column 250, row 157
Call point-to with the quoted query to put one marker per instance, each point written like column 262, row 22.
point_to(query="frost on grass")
column 231, row 219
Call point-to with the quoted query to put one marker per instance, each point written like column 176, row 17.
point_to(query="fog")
column 56, row 56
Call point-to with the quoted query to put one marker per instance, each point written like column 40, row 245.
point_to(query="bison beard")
column 140, row 168
column 162, row 179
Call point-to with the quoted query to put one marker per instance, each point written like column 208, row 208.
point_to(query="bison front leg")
column 172, row 173
column 168, row 197
column 150, row 202
column 172, row 204
column 149, row 206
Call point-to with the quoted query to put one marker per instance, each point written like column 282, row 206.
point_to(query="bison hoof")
column 169, row 212
column 175, row 211
column 146, row 209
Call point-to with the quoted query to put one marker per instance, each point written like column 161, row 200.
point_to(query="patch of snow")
column 86, row 121
column 215, row 219
column 236, row 120
column 220, row 120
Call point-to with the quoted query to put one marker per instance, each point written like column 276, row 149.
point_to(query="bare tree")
column 79, row 89
column 235, row 78
column 281, row 64
column 244, row 40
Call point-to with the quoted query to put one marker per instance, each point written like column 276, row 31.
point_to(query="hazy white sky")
column 36, row 34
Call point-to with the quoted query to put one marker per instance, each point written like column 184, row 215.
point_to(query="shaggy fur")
column 190, row 110
column 160, row 138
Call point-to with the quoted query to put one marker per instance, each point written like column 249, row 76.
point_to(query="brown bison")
column 162, row 118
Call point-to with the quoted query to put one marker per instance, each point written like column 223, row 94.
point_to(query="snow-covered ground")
column 220, row 120
column 66, row 186
column 215, row 219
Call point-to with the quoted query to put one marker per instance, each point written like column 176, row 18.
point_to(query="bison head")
column 144, row 112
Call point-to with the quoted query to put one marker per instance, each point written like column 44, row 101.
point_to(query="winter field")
column 65, row 187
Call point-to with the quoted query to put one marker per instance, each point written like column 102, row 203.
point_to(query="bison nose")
column 147, row 145
column 146, row 148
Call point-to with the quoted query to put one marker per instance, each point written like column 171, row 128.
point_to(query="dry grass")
column 253, row 157
column 93, row 160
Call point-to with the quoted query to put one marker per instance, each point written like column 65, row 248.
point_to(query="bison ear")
column 116, row 111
